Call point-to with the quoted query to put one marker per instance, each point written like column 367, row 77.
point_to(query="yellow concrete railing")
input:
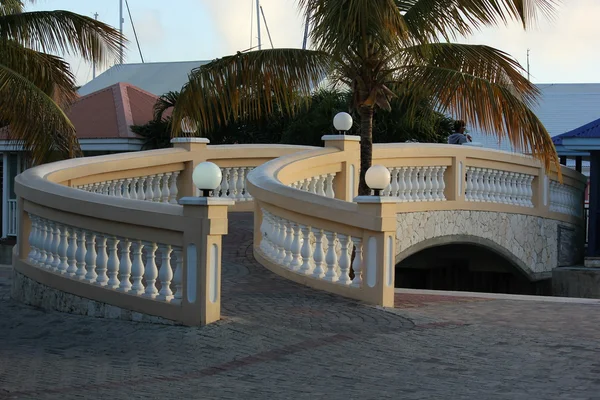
column 345, row 244
column 84, row 232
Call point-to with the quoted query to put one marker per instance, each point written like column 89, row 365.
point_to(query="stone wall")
column 534, row 244
column 30, row 292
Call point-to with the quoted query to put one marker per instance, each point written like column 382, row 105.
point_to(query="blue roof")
column 591, row 130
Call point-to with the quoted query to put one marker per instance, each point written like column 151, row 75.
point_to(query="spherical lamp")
column 342, row 122
column 188, row 125
column 207, row 176
column 377, row 178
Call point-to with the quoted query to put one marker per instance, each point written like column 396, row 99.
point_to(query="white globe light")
column 342, row 121
column 207, row 176
column 188, row 125
column 378, row 178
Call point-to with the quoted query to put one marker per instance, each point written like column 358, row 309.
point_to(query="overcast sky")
column 563, row 50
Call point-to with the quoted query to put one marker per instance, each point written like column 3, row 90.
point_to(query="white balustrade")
column 320, row 184
column 496, row 186
column 233, row 184
column 566, row 199
column 311, row 251
column 93, row 257
column 158, row 187
column 424, row 183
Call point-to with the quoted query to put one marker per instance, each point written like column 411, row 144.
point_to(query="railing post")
column 205, row 224
column 379, row 249
column 455, row 179
column 345, row 184
column 197, row 146
column 541, row 191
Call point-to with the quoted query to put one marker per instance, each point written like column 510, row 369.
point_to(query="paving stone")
column 280, row 340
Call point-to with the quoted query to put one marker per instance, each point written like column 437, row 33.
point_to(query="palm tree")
column 376, row 48
column 36, row 86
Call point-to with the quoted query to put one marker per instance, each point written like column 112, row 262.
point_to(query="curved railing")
column 345, row 245
column 128, row 232
column 111, row 229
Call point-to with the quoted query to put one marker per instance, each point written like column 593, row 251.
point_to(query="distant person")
column 459, row 136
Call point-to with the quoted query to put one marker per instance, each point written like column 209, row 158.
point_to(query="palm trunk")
column 366, row 147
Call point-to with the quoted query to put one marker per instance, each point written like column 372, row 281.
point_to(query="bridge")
column 126, row 233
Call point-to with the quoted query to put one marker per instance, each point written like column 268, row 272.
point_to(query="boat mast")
column 258, row 22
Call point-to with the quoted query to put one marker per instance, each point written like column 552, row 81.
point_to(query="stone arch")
column 488, row 244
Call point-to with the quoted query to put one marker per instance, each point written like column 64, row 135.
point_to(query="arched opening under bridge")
column 464, row 265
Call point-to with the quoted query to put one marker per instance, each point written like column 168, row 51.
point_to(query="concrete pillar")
column 345, row 184
column 197, row 146
column 206, row 223
column 379, row 249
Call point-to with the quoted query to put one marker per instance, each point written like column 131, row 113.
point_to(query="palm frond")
column 247, row 85
column 337, row 25
column 164, row 102
column 430, row 19
column 11, row 7
column 484, row 86
column 34, row 119
column 63, row 32
column 49, row 73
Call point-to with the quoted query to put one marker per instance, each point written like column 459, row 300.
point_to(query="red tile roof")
column 109, row 113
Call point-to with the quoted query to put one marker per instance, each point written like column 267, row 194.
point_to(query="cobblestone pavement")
column 279, row 340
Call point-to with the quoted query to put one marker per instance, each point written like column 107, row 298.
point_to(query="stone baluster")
column 429, row 188
column 72, row 252
column 53, row 265
column 80, row 255
column 101, row 260
column 421, row 184
column 151, row 270
column 125, row 266
column 112, row 185
column 137, row 268
column 90, row 258
column 233, row 175
column 312, row 185
column 119, row 188
column 321, row 185
column 502, row 196
column 165, row 274
column 45, row 240
column 281, row 235
column 178, row 275
column 402, row 184
column 133, row 191
column 63, row 247
column 331, row 258
column 409, row 184
column 165, row 195
column 357, row 262
column 395, row 186
column 287, row 244
column 263, row 233
column 329, row 186
column 225, row 183
column 127, row 188
column 296, row 247
column 149, row 192
column 319, row 253
column 493, row 182
column 304, row 185
column 306, row 251
column 344, row 261
column 469, row 185
column 173, row 191
column 240, row 184
column 112, row 266
column 521, row 189
column 156, row 187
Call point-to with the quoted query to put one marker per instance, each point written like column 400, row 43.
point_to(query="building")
column 103, row 121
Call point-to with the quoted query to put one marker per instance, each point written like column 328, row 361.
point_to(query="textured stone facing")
column 532, row 240
column 30, row 292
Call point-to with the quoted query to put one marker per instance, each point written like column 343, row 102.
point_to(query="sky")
column 564, row 50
